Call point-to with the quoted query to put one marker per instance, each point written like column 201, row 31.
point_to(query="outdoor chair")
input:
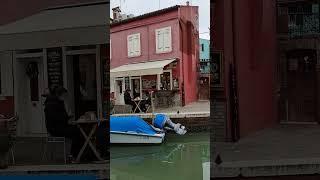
column 54, row 140
column 12, row 132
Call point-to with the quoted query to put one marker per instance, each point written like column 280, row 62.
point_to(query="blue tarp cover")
column 130, row 123
column 160, row 120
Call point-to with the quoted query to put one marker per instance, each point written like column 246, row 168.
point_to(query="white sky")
column 138, row 7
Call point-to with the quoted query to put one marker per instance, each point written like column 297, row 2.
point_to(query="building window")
column 163, row 40
column 133, row 44
column 165, row 81
column 202, row 47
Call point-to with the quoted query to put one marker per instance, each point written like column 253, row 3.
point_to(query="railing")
column 303, row 25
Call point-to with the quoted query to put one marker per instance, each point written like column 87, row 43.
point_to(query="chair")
column 12, row 131
column 52, row 140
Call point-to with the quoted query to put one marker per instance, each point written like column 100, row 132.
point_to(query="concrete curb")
column 98, row 170
column 171, row 115
column 260, row 168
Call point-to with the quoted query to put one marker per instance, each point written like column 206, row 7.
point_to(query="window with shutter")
column 134, row 47
column 163, row 40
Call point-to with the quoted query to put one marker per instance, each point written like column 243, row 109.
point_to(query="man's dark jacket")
column 56, row 115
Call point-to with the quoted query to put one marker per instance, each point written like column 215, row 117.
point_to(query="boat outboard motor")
column 162, row 121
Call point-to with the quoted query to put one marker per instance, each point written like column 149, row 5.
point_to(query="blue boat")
column 134, row 130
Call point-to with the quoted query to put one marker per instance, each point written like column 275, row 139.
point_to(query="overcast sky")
column 138, row 7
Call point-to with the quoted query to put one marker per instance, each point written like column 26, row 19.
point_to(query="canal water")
column 178, row 158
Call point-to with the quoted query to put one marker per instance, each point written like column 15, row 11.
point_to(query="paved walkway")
column 199, row 106
column 285, row 150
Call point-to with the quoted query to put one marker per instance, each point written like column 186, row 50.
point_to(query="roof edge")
column 147, row 15
column 77, row 5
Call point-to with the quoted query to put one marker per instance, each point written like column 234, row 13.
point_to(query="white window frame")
column 160, row 34
column 134, row 47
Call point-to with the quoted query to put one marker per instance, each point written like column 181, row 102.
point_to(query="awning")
column 76, row 25
column 140, row 69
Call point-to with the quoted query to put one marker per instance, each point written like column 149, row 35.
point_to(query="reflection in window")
column 165, row 81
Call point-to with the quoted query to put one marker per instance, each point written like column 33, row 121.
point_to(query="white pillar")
column 158, row 81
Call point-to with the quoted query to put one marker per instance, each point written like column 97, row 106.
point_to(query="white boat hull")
column 135, row 138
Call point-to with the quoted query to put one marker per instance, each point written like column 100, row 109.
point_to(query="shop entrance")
column 82, row 84
column 29, row 83
column 301, row 100
column 204, row 88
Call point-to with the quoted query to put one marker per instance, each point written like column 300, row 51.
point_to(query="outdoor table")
column 94, row 123
column 138, row 102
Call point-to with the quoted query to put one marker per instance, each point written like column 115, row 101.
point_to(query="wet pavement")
column 284, row 150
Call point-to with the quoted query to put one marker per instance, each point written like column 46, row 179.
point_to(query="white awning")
column 140, row 69
column 82, row 24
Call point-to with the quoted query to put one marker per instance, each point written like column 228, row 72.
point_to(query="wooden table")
column 137, row 102
column 94, row 123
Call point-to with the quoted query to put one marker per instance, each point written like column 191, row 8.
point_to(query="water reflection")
column 179, row 158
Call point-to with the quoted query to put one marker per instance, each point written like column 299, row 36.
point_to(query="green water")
column 178, row 158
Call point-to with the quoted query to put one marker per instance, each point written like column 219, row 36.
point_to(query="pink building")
column 157, row 51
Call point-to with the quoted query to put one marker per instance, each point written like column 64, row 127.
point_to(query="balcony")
column 302, row 25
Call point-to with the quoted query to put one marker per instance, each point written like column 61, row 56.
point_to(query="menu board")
column 127, row 82
column 55, row 72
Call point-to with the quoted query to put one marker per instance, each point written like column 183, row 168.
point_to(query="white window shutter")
column 138, row 46
column 129, row 45
column 168, row 39
column 158, row 42
column 163, row 40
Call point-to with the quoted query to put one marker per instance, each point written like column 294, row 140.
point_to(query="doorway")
column 82, row 85
column 301, row 101
column 119, row 91
column 204, row 88
column 29, row 78
column 135, row 87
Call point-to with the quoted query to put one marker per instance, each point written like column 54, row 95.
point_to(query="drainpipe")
column 181, row 23
column 235, row 113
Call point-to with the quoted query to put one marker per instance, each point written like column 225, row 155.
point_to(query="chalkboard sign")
column 55, row 72
column 127, row 82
